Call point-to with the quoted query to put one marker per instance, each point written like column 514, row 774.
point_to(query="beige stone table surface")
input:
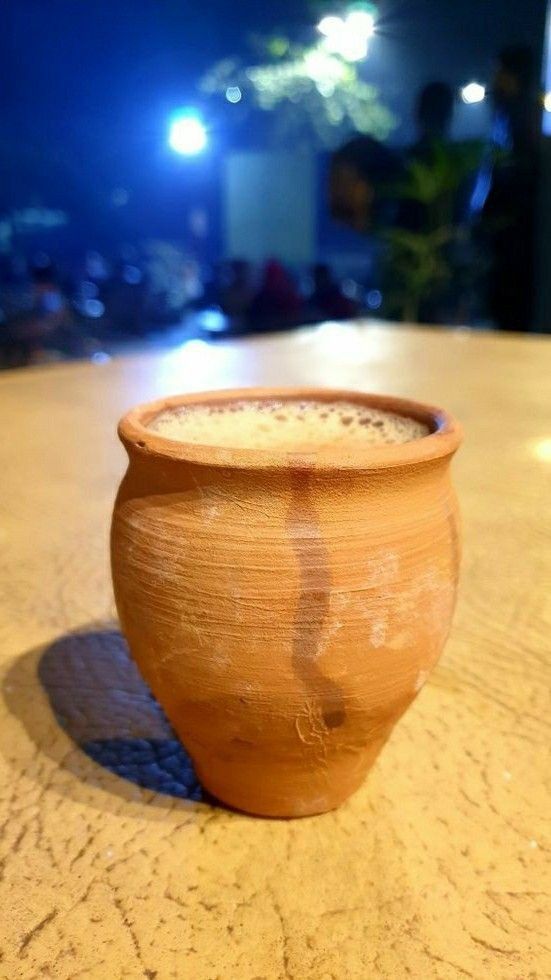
column 438, row 868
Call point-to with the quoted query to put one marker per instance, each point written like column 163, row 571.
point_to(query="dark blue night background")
column 88, row 86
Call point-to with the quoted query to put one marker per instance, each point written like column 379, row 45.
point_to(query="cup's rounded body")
column 285, row 609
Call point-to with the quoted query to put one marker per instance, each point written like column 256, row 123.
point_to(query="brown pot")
column 285, row 609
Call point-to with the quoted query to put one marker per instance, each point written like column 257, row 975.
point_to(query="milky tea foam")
column 287, row 425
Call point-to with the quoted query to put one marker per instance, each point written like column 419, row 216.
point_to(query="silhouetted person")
column 277, row 303
column 364, row 170
column 412, row 199
column 433, row 115
column 327, row 299
column 509, row 213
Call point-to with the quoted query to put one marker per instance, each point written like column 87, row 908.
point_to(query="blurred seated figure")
column 172, row 283
column 236, row 291
column 277, row 303
column 327, row 300
column 124, row 296
column 45, row 324
column 48, row 299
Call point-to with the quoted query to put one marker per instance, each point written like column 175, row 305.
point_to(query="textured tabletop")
column 112, row 866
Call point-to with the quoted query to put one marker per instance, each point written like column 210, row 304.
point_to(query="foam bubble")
column 286, row 424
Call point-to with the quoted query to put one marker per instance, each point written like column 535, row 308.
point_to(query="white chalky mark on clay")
column 222, row 660
column 338, row 601
column 422, row 678
column 400, row 641
column 328, row 635
column 378, row 633
column 507, row 776
column 382, row 569
column 533, row 844
column 306, row 806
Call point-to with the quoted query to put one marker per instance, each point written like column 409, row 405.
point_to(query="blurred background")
column 170, row 171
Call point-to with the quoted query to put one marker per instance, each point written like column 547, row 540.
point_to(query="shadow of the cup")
column 100, row 700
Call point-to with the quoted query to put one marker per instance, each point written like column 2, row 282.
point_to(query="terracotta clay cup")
column 285, row 608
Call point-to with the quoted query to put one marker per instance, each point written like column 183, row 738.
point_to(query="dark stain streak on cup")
column 313, row 602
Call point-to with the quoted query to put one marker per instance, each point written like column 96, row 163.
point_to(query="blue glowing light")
column 234, row 94
column 187, row 135
column 374, row 299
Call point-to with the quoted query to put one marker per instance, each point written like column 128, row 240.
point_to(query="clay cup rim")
column 443, row 440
